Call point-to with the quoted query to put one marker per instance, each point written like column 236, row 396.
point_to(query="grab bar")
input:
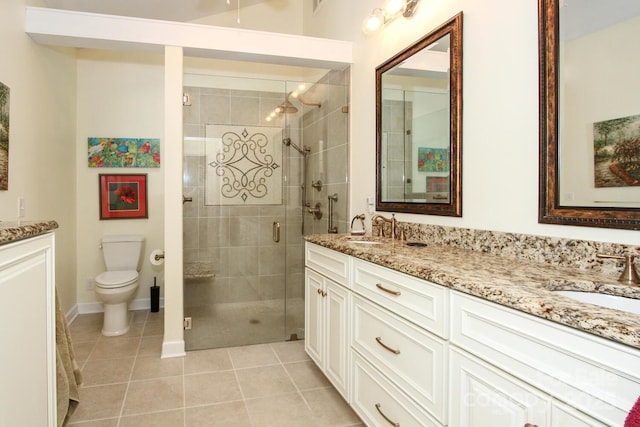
column 332, row 200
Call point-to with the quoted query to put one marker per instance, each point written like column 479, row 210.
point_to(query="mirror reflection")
column 599, row 109
column 589, row 113
column 418, row 125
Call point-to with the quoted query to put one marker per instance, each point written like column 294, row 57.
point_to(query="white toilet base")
column 117, row 319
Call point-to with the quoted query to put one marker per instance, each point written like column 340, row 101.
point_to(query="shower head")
column 286, row 108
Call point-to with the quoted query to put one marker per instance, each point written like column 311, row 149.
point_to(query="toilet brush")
column 155, row 296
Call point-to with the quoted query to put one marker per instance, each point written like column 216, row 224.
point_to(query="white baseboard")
column 97, row 307
column 173, row 349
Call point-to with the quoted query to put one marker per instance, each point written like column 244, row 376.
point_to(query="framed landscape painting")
column 123, row 196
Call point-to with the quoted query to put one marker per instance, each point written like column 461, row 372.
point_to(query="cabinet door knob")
column 394, row 424
column 386, row 347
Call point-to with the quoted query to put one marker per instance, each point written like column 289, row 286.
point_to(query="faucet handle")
column 629, row 274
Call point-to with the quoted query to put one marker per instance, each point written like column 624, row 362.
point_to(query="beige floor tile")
column 157, row 419
column 139, row 316
column 207, row 361
column 98, row 402
column 153, row 327
column 153, row 367
column 252, row 356
column 285, row 410
column 83, row 349
column 306, row 375
column 115, row 347
column 264, row 381
column 154, row 395
column 150, row 346
column 329, row 408
column 111, row 422
column 215, row 387
column 233, row 414
column 107, row 371
column 290, row 351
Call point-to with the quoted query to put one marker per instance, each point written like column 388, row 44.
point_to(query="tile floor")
column 126, row 383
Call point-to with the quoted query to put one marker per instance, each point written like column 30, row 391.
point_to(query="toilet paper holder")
column 159, row 256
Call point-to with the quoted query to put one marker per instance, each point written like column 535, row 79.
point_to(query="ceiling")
column 167, row 10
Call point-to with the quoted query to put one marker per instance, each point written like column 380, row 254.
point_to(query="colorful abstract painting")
column 124, row 152
column 433, row 159
column 4, row 137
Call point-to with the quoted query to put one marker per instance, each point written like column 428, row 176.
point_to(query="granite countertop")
column 521, row 284
column 12, row 231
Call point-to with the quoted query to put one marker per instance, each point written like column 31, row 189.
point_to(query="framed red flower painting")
column 123, row 196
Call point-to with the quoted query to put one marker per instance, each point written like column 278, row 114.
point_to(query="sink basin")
column 629, row 305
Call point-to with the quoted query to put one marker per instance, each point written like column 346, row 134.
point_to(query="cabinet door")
column 313, row 316
column 566, row 416
column 481, row 395
column 336, row 324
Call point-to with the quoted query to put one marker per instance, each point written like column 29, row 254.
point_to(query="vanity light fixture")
column 390, row 11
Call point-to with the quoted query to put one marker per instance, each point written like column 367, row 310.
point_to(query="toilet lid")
column 116, row 279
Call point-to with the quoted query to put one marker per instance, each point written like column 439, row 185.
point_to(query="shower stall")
column 262, row 161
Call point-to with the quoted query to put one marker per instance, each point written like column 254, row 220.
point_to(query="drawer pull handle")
column 389, row 291
column 394, row 424
column 386, row 347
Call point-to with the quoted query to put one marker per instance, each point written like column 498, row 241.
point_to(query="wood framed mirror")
column 419, row 125
column 589, row 113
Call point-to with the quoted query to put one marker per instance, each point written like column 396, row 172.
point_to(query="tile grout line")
column 135, row 360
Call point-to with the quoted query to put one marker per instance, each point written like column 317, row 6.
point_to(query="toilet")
column 117, row 286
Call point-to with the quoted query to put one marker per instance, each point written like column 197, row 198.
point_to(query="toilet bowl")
column 115, row 289
column 117, row 286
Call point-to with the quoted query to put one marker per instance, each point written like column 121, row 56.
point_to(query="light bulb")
column 394, row 6
column 373, row 22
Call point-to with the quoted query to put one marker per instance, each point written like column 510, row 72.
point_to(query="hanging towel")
column 633, row 418
column 68, row 375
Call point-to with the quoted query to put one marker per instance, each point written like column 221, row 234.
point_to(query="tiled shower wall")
column 236, row 241
column 326, row 132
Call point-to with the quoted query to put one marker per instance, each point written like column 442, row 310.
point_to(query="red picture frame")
column 123, row 196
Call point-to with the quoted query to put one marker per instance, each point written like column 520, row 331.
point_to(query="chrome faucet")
column 379, row 220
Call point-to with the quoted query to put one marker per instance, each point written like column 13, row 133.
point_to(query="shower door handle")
column 276, row 231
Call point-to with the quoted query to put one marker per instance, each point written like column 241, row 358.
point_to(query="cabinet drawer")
column 414, row 299
column 595, row 375
column 410, row 357
column 328, row 262
column 375, row 398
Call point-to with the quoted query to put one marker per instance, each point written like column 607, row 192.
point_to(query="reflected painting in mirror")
column 589, row 113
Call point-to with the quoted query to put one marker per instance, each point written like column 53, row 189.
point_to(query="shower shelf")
column 198, row 270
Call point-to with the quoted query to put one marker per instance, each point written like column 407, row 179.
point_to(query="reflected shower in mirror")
column 590, row 113
column 419, row 116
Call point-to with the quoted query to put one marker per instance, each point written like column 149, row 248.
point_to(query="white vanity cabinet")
column 420, row 354
column 399, row 326
column 529, row 370
column 27, row 332
column 327, row 314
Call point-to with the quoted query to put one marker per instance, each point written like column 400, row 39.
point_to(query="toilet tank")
column 122, row 252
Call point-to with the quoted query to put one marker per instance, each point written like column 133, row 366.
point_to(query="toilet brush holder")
column 155, row 297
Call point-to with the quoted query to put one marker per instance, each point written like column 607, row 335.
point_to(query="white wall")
column 500, row 95
column 118, row 95
column 280, row 16
column 42, row 136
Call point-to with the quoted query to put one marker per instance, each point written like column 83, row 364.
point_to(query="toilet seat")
column 116, row 279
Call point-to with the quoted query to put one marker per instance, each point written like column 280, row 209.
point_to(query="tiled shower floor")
column 126, row 383
column 243, row 323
